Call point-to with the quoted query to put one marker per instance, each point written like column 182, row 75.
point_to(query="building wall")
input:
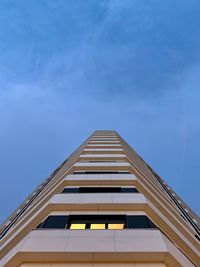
column 131, row 264
column 113, row 164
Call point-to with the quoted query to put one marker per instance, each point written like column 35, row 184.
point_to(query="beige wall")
column 93, row 265
column 92, row 248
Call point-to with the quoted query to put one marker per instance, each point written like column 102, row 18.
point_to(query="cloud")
column 135, row 49
column 68, row 68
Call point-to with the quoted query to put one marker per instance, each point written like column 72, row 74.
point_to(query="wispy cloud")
column 106, row 47
column 70, row 67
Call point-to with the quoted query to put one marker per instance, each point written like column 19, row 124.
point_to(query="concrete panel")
column 46, row 233
column 104, row 142
column 103, row 145
column 111, row 264
column 128, row 198
column 101, row 177
column 102, row 198
column 106, row 246
column 102, row 149
column 130, row 240
column 176, row 253
column 102, row 164
column 43, row 244
column 132, row 212
column 148, row 233
column 93, row 264
column 72, row 264
column 97, row 244
column 148, row 265
column 35, row 265
column 103, row 156
column 92, row 234
column 138, row 244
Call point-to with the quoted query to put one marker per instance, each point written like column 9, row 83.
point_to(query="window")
column 97, row 222
column 117, row 226
column 97, row 226
column 139, row 221
column 77, row 226
column 70, row 190
column 129, row 190
column 54, row 221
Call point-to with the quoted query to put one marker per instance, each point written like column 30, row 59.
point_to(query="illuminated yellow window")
column 116, row 226
column 77, row 226
column 97, row 226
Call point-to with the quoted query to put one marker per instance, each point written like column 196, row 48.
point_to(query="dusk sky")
column 69, row 67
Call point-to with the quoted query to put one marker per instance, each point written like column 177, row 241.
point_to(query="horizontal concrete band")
column 58, row 202
column 102, row 164
column 96, row 264
column 94, row 246
column 42, row 257
column 103, row 145
column 103, row 156
column 102, row 177
column 102, row 151
column 121, row 200
column 104, row 142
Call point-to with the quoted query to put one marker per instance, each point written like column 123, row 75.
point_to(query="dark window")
column 54, row 221
column 129, row 190
column 97, row 222
column 71, row 190
column 139, row 221
column 97, row 218
column 100, row 190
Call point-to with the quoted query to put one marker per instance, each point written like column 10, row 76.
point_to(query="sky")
column 70, row 67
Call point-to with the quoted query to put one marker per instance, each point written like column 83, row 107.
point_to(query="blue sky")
column 70, row 67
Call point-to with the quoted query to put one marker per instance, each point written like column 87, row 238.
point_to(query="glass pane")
column 115, row 226
column 70, row 190
column 55, row 221
column 97, row 226
column 77, row 226
column 138, row 221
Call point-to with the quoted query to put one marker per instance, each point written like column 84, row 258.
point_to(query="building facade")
column 104, row 206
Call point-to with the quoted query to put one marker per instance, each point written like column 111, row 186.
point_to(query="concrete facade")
column 129, row 215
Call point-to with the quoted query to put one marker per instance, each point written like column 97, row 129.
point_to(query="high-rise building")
column 104, row 206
